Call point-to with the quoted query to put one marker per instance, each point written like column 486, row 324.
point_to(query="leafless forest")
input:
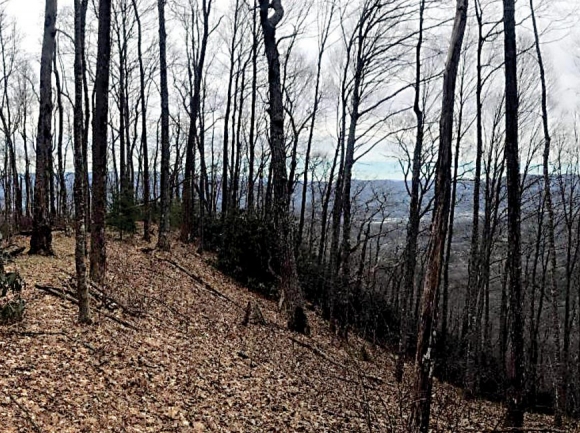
column 244, row 127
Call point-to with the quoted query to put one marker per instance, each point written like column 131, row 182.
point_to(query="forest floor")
column 177, row 358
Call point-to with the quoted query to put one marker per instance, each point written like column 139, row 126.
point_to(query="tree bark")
column 62, row 192
column 99, row 149
column 80, row 175
column 144, row 148
column 410, row 254
column 252, row 133
column 41, row 240
column 474, row 253
column 560, row 366
column 291, row 299
column 515, row 361
column 163, row 240
column 187, row 229
column 225, row 157
column 424, row 357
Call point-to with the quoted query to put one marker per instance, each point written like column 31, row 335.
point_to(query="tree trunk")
column 459, row 136
column 474, row 253
column 100, row 132
column 252, row 133
column 87, row 114
column 424, row 357
column 62, row 192
column 291, row 299
column 163, row 241
column 41, row 240
column 515, row 361
column 187, row 229
column 410, row 254
column 27, row 180
column 144, row 148
column 79, row 179
column 321, row 48
column 560, row 367
column 225, row 158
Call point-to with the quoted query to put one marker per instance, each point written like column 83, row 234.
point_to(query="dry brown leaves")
column 192, row 366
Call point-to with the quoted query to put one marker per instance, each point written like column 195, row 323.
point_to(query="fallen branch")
column 100, row 293
column 54, row 291
column 28, row 416
column 104, row 295
column 200, row 281
column 13, row 251
column 42, row 333
column 327, row 358
column 32, row 333
column 59, row 293
column 171, row 309
column 522, row 429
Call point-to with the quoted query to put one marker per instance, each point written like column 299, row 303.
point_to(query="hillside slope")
column 190, row 365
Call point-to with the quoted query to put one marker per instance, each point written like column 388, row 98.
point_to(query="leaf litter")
column 190, row 365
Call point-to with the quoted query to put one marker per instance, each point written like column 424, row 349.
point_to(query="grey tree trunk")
column 321, row 47
column 225, row 158
column 198, row 59
column 474, row 252
column 252, row 133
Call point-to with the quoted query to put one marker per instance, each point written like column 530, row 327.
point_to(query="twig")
column 522, row 429
column 32, row 333
column 99, row 292
column 13, row 251
column 323, row 355
column 23, row 409
column 41, row 333
column 59, row 294
column 200, row 281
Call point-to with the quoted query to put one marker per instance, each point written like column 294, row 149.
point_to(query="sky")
column 561, row 50
column 29, row 17
column 560, row 44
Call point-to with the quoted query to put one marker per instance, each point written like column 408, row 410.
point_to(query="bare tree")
column 144, row 147
column 98, row 254
column 515, row 362
column 41, row 240
column 163, row 240
column 560, row 367
column 80, row 175
column 410, row 254
column 322, row 42
column 197, row 57
column 424, row 357
column 291, row 299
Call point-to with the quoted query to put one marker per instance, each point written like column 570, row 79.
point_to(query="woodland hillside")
column 181, row 360
column 340, row 215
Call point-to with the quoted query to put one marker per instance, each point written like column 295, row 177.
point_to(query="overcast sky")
column 561, row 49
column 561, row 45
column 29, row 16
